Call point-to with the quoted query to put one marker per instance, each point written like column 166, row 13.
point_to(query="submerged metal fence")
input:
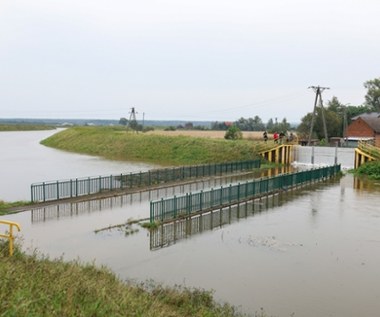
column 190, row 203
column 61, row 189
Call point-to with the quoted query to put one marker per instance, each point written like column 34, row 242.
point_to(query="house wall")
column 359, row 128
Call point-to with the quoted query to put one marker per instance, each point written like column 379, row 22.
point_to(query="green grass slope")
column 117, row 144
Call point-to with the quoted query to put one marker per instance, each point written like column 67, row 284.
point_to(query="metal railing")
column 192, row 203
column 62, row 189
column 9, row 234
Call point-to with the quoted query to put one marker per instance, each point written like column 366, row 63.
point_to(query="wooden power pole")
column 318, row 97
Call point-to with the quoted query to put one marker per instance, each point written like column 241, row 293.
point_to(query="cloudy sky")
column 187, row 60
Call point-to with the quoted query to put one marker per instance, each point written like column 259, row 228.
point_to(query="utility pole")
column 318, row 96
column 132, row 114
column 344, row 122
column 132, row 123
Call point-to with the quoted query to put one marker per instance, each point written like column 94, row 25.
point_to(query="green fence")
column 190, row 203
column 62, row 189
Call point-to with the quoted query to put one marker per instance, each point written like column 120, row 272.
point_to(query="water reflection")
column 140, row 199
column 172, row 232
column 363, row 183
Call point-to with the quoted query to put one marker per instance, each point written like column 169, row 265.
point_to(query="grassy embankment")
column 117, row 144
column 25, row 127
column 6, row 207
column 36, row 286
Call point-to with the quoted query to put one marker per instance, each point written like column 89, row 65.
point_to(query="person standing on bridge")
column 265, row 136
column 275, row 137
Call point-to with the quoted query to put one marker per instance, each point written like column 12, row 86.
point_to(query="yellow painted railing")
column 9, row 234
column 366, row 152
column 280, row 153
column 370, row 149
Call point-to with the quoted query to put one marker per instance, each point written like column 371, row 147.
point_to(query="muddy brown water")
column 310, row 252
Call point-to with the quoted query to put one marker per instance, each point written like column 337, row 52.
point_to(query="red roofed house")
column 364, row 127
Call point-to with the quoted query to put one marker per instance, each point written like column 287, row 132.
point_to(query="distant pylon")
column 318, row 96
column 132, row 115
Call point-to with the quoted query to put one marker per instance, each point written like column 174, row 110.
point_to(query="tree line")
column 253, row 124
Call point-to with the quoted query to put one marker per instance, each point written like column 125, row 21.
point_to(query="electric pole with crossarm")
column 318, row 97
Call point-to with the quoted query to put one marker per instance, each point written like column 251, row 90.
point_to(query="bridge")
column 365, row 152
column 348, row 157
column 280, row 154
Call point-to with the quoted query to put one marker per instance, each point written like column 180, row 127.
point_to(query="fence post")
column 162, row 210
column 151, row 212
column 190, row 204
column 44, row 191
column 175, row 206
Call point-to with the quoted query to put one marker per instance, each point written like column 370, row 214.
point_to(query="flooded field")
column 310, row 252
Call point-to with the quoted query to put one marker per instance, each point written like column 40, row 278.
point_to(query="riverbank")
column 25, row 127
column 37, row 286
column 370, row 169
column 117, row 144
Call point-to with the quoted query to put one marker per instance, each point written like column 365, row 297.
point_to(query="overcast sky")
column 188, row 60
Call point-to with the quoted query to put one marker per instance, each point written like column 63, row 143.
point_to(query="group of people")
column 279, row 137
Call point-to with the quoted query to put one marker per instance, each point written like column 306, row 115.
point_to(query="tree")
column 219, row 126
column 123, row 121
column 133, row 125
column 335, row 105
column 353, row 111
column 250, row 124
column 270, row 125
column 233, row 133
column 283, row 126
column 372, row 98
column 304, row 127
column 188, row 126
column 258, row 124
column 334, row 125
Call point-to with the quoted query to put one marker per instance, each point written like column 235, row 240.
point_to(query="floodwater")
column 24, row 161
column 310, row 252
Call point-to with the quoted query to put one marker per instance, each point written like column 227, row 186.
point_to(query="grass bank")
column 8, row 207
column 25, row 127
column 370, row 169
column 36, row 286
column 117, row 144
